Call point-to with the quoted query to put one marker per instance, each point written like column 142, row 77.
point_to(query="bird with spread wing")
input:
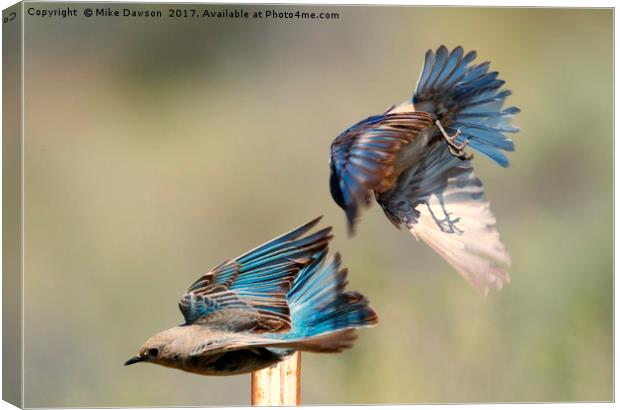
column 413, row 159
column 258, row 309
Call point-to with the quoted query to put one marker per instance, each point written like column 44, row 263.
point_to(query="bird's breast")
column 234, row 362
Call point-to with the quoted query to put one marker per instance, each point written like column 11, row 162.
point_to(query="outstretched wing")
column 467, row 98
column 364, row 157
column 325, row 315
column 249, row 292
column 441, row 202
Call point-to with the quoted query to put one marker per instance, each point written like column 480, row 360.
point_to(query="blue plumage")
column 463, row 97
column 413, row 160
column 365, row 156
column 467, row 97
column 251, row 312
column 286, row 288
column 257, row 280
column 319, row 303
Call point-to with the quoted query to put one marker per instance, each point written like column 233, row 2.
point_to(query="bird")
column 258, row 309
column 413, row 158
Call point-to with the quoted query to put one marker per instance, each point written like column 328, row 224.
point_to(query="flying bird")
column 251, row 312
column 413, row 159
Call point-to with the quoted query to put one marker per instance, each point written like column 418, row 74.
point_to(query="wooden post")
column 278, row 385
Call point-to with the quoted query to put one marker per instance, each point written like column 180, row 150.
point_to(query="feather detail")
column 324, row 314
column 443, row 203
column 256, row 283
column 364, row 158
column 469, row 98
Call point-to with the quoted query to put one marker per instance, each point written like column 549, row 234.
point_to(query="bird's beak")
column 135, row 359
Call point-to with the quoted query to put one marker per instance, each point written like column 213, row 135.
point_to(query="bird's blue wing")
column 249, row 292
column 468, row 98
column 364, row 156
column 324, row 314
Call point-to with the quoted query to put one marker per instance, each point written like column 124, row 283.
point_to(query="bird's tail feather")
column 469, row 98
column 324, row 315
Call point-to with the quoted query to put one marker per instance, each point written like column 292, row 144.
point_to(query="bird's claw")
column 458, row 150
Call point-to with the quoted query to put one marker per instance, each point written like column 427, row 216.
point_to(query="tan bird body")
column 258, row 309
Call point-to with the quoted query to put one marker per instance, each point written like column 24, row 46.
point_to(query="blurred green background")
column 156, row 148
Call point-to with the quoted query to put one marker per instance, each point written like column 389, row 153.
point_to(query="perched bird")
column 412, row 157
column 258, row 309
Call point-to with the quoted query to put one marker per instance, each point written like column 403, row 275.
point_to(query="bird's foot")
column 458, row 150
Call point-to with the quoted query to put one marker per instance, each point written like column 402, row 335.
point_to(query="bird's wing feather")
column 363, row 157
column 249, row 292
column 467, row 98
column 324, row 314
column 332, row 342
column 442, row 202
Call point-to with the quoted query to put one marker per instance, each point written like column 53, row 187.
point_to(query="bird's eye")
column 153, row 352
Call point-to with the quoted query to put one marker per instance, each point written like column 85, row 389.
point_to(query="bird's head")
column 335, row 189
column 164, row 348
column 334, row 186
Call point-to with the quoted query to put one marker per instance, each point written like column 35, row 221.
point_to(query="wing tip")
column 302, row 229
column 495, row 279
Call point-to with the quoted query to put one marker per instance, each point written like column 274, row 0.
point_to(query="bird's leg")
column 458, row 150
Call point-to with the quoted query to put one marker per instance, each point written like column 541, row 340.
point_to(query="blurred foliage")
column 157, row 148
